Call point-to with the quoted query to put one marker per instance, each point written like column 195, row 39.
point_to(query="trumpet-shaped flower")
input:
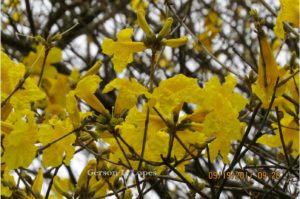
column 132, row 130
column 85, row 89
column 172, row 93
column 122, row 49
column 168, row 99
column 129, row 90
column 219, row 113
column 290, row 133
column 35, row 61
column 62, row 150
column 267, row 72
column 19, row 144
column 289, row 12
column 56, row 89
column 11, row 75
column 38, row 182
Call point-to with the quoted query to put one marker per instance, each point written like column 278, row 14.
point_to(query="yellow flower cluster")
column 124, row 48
column 147, row 126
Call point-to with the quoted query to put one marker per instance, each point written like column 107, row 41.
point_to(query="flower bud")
column 83, row 178
column 165, row 29
column 94, row 69
column 38, row 182
column 59, row 188
column 174, row 43
column 144, row 24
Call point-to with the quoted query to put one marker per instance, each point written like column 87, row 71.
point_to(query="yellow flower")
column 56, row 90
column 173, row 92
column 38, row 182
column 34, row 61
column 62, row 187
column 289, row 12
column 23, row 97
column 11, row 75
column 214, row 93
column 129, row 90
column 85, row 90
column 223, row 124
column 219, row 112
column 168, row 99
column 290, row 132
column 267, row 72
column 61, row 151
column 72, row 108
column 190, row 138
column 19, row 143
column 132, row 130
column 122, row 49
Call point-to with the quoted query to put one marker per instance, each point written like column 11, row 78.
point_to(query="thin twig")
column 281, row 136
column 51, row 182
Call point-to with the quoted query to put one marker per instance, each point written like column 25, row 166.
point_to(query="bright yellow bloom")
column 23, row 97
column 132, row 130
column 84, row 177
column 267, row 72
column 290, row 131
column 129, row 90
column 11, row 75
column 19, row 145
column 221, row 119
column 38, row 182
column 289, row 12
column 173, row 92
column 94, row 185
column 122, row 49
column 34, row 61
column 61, row 151
column 85, row 90
column 190, row 138
column 62, row 187
column 56, row 89
column 168, row 99
column 214, row 92
column 72, row 108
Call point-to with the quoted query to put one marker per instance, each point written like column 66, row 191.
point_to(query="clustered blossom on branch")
column 172, row 124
